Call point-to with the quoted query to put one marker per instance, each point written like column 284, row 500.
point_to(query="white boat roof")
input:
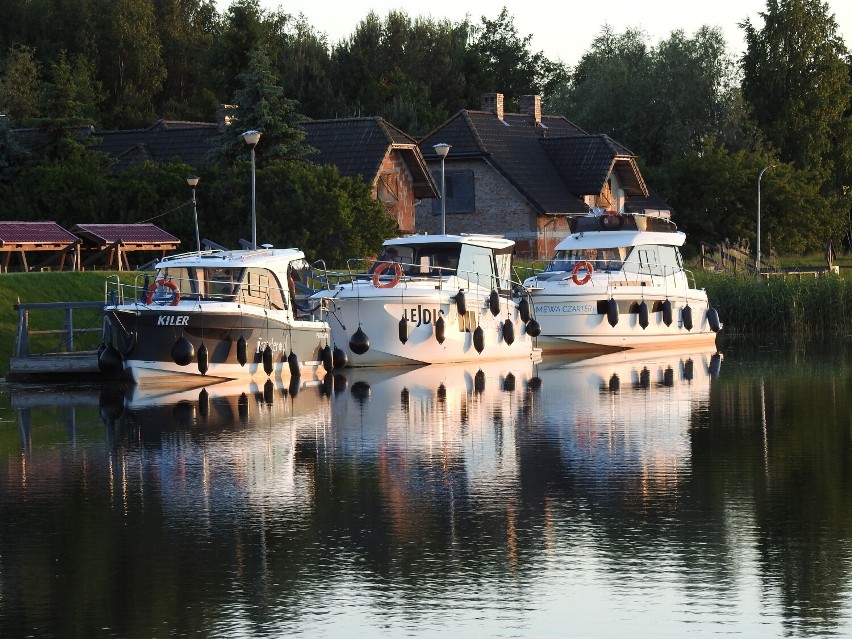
column 275, row 259
column 611, row 239
column 488, row 241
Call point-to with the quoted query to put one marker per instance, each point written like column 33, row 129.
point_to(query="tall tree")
column 796, row 79
column 661, row 101
column 70, row 98
column 303, row 63
column 130, row 59
column 20, row 86
column 506, row 63
column 262, row 106
column 186, row 30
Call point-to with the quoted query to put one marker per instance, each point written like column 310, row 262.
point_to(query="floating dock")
column 66, row 364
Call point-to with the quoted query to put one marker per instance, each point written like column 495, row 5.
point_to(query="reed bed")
column 778, row 305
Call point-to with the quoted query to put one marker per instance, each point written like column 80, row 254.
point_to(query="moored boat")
column 431, row 299
column 619, row 281
column 215, row 315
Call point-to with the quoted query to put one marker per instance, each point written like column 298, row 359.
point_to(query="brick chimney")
column 531, row 106
column 493, row 103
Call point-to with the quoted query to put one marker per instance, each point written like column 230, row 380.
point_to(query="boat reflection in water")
column 628, row 415
column 435, row 432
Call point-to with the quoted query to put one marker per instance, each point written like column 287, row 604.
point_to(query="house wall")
column 499, row 209
column 551, row 231
column 394, row 189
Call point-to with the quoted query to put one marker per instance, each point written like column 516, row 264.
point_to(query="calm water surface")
column 653, row 495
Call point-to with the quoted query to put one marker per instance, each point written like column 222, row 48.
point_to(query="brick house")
column 524, row 175
column 387, row 159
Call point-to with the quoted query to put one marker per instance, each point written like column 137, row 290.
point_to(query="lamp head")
column 442, row 149
column 251, row 137
column 192, row 180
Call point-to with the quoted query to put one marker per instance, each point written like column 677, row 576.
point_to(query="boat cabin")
column 485, row 261
column 615, row 244
column 212, row 278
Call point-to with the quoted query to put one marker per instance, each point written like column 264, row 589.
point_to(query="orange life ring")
column 168, row 284
column 397, row 274
column 579, row 281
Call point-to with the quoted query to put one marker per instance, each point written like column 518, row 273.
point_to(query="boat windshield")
column 254, row 286
column 602, row 259
column 422, row 260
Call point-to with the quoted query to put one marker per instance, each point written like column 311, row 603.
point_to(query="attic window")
column 387, row 189
column 461, row 197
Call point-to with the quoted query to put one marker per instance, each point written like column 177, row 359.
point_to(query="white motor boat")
column 431, row 299
column 618, row 281
column 215, row 315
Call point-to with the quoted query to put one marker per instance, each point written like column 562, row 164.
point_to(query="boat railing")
column 318, row 277
column 616, row 272
column 409, row 274
column 145, row 291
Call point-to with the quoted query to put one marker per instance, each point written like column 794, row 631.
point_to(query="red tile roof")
column 34, row 233
column 128, row 233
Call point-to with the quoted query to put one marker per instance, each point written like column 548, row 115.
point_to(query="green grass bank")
column 49, row 287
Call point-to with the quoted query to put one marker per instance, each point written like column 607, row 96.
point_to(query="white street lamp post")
column 192, row 180
column 252, row 138
column 442, row 149
column 757, row 259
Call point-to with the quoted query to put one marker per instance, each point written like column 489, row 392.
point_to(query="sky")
column 562, row 30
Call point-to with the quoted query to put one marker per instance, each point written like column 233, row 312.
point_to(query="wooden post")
column 22, row 341
column 69, row 330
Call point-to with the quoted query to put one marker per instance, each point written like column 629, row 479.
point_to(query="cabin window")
column 670, row 260
column 404, row 255
column 602, row 259
column 460, row 195
column 504, row 269
column 476, row 265
column 644, row 260
column 183, row 278
column 262, row 288
column 221, row 283
column 422, row 260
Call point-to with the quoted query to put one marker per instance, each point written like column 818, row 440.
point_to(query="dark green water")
column 660, row 495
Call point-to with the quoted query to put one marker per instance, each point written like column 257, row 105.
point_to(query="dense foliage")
column 703, row 123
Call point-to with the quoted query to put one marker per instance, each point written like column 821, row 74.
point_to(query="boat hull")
column 378, row 312
column 578, row 321
column 146, row 339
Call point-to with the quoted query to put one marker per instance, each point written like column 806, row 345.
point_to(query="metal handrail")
column 117, row 292
column 642, row 270
column 23, row 331
column 358, row 271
